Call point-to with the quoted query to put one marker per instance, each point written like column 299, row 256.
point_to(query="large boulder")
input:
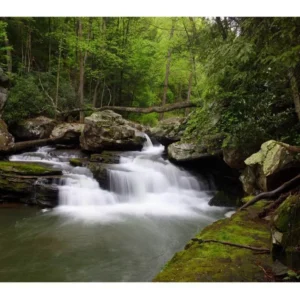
column 188, row 150
column 33, row 129
column 169, row 131
column 184, row 151
column 270, row 167
column 107, row 130
column 6, row 139
column 70, row 132
column 285, row 230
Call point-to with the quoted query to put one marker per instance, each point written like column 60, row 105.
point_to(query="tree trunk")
column 21, row 146
column 50, row 44
column 187, row 110
column 9, row 56
column 142, row 110
column 57, row 76
column 102, row 95
column 95, row 96
column 164, row 97
column 295, row 92
column 81, row 73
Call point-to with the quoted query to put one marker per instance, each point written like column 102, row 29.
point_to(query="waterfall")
column 143, row 183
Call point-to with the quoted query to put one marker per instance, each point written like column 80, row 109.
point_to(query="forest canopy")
column 242, row 73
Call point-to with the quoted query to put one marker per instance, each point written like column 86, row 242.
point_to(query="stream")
column 125, row 234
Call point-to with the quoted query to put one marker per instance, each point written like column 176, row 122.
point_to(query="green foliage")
column 25, row 100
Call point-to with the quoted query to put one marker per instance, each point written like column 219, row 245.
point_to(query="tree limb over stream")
column 142, row 110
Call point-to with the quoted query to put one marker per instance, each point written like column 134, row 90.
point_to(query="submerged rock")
column 169, row 131
column 6, row 139
column 107, row 130
column 32, row 129
column 270, row 167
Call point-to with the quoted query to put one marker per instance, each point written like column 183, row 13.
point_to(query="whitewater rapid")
column 142, row 184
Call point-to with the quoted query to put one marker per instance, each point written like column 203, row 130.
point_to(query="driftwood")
column 272, row 194
column 261, row 250
column 142, row 110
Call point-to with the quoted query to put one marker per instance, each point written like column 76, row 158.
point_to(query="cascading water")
column 126, row 233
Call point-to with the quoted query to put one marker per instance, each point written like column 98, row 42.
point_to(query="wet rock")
column 107, row 130
column 18, row 178
column 6, row 139
column 224, row 199
column 46, row 193
column 32, row 129
column 107, row 157
column 271, row 167
column 100, row 173
column 70, row 132
column 169, row 131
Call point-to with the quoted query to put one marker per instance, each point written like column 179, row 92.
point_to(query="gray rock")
column 107, row 130
column 169, row 131
column 184, row 151
column 32, row 129
column 70, row 132
column 6, row 139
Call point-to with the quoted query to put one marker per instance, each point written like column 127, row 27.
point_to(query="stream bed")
column 124, row 234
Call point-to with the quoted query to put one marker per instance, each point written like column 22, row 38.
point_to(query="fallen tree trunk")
column 272, row 194
column 21, row 146
column 142, row 110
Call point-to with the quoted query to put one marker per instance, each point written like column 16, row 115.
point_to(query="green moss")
column 221, row 263
column 76, row 162
column 29, row 169
column 285, row 213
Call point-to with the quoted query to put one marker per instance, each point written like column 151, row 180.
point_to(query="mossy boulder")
column 106, row 157
column 32, row 129
column 6, row 139
column 17, row 179
column 270, row 167
column 169, row 131
column 286, row 231
column 214, row 262
column 77, row 162
column 107, row 130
